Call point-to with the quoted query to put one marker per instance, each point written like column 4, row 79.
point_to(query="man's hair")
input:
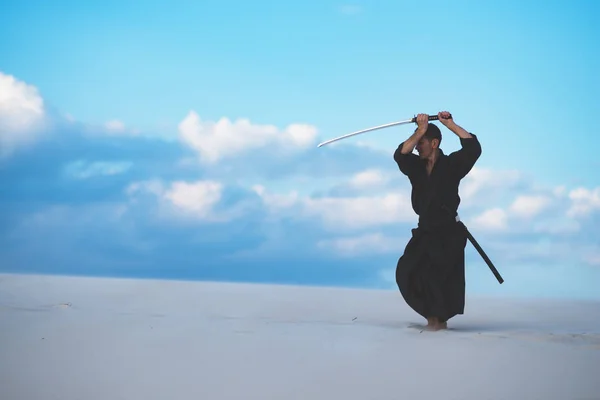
column 433, row 132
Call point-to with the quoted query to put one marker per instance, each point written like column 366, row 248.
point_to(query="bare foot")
column 440, row 326
column 433, row 324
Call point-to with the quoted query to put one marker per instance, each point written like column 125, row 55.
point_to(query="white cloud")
column 494, row 219
column 196, row 201
column 556, row 213
column 217, row 140
column 369, row 243
column 368, row 179
column 343, row 212
column 115, row 126
column 154, row 187
column 186, row 199
column 584, row 202
column 22, row 114
column 301, row 135
column 540, row 249
column 196, row 198
column 82, row 169
column 556, row 225
column 487, row 182
column 360, row 212
column 542, row 212
column 277, row 201
column 528, row 206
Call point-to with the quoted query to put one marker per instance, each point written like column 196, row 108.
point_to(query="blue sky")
column 179, row 139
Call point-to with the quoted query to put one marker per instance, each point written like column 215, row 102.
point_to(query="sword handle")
column 431, row 118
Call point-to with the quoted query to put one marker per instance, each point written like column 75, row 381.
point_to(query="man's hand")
column 422, row 123
column 411, row 142
column 445, row 118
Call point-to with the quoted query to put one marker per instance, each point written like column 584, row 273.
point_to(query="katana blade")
column 364, row 131
column 406, row 121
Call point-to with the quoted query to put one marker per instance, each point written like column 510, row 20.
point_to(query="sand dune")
column 74, row 338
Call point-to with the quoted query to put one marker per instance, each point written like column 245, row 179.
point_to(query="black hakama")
column 431, row 272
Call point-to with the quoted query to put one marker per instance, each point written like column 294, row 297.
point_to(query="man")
column 431, row 274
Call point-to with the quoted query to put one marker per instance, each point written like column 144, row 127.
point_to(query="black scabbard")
column 482, row 253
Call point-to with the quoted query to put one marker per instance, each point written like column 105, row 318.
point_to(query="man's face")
column 425, row 147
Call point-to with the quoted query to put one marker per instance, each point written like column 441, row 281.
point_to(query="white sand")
column 108, row 339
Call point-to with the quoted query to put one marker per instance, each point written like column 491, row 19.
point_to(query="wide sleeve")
column 408, row 163
column 464, row 159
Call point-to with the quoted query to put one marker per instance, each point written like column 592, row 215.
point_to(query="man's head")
column 430, row 141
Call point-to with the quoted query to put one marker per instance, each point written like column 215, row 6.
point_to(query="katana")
column 406, row 121
column 487, row 260
column 481, row 252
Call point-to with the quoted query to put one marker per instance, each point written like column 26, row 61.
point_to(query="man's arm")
column 406, row 160
column 409, row 145
column 465, row 158
column 458, row 130
column 446, row 118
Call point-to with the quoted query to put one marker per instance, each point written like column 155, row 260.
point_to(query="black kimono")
column 431, row 272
